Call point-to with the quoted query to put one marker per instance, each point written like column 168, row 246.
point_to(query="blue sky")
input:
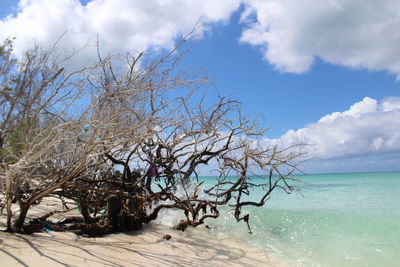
column 328, row 77
column 285, row 100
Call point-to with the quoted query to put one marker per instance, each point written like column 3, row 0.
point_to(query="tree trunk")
column 85, row 210
column 9, row 215
column 24, row 207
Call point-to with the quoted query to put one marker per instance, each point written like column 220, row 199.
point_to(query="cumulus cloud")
column 353, row 33
column 120, row 25
column 368, row 127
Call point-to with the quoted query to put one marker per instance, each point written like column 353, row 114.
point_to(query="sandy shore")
column 194, row 247
column 139, row 248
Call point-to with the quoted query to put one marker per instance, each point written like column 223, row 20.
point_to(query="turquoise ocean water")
column 341, row 220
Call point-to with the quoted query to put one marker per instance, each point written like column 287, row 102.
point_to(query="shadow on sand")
column 139, row 248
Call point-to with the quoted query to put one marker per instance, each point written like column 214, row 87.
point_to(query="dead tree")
column 134, row 148
column 42, row 141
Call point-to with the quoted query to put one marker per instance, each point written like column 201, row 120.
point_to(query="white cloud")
column 353, row 33
column 367, row 128
column 366, row 106
column 121, row 25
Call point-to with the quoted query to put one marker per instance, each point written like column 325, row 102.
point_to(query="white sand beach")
column 146, row 247
column 194, row 247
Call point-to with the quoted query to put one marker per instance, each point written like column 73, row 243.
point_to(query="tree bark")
column 9, row 215
column 24, row 207
column 85, row 210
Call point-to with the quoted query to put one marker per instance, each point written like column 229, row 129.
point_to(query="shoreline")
column 194, row 247
column 146, row 247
